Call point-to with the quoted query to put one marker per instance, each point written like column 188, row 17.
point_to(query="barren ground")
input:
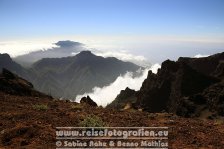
column 23, row 126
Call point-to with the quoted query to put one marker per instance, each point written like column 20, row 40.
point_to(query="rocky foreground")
column 30, row 122
column 28, row 118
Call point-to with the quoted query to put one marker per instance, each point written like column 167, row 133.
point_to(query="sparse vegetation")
column 40, row 107
column 77, row 107
column 92, row 121
column 23, row 129
column 219, row 122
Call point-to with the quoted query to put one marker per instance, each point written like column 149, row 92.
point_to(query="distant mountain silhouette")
column 63, row 49
column 69, row 76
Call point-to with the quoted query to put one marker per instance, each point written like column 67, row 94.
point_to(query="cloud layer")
column 124, row 56
column 16, row 48
column 105, row 95
column 60, row 49
column 70, row 48
column 200, row 56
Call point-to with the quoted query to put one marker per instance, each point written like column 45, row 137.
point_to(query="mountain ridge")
column 69, row 76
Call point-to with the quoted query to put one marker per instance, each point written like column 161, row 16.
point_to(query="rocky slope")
column 8, row 63
column 13, row 84
column 187, row 87
column 29, row 121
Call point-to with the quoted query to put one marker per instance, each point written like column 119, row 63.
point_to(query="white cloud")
column 155, row 68
column 105, row 95
column 15, row 48
column 200, row 56
column 124, row 56
column 18, row 48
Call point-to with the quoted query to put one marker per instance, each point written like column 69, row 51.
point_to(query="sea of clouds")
column 105, row 95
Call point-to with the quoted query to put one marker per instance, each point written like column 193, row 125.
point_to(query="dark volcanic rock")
column 215, row 97
column 13, row 84
column 89, row 101
column 212, row 99
column 185, row 87
column 219, row 72
column 205, row 65
column 126, row 96
column 8, row 63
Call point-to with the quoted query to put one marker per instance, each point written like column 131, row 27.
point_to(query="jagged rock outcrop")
column 219, row 72
column 211, row 100
column 13, row 84
column 89, row 101
column 205, row 65
column 186, row 87
column 127, row 96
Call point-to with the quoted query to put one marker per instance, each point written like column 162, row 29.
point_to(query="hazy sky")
column 153, row 28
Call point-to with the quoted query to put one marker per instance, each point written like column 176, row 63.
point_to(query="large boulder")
column 87, row 100
column 127, row 96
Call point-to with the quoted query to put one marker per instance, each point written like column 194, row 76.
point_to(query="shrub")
column 40, row 107
column 77, row 107
column 92, row 121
